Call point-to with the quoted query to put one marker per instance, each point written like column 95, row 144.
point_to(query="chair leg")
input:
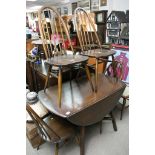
column 124, row 103
column 77, row 75
column 56, row 149
column 82, row 143
column 113, row 121
column 89, row 77
column 70, row 76
column 47, row 79
column 113, row 58
column 100, row 127
column 59, row 87
column 39, row 144
column 77, row 139
column 96, row 75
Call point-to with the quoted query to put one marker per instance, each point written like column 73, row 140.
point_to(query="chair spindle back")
column 41, row 125
column 85, row 28
column 115, row 69
column 53, row 32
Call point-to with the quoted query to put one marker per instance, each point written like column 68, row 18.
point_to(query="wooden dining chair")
column 115, row 69
column 54, row 33
column 52, row 128
column 89, row 40
column 31, row 128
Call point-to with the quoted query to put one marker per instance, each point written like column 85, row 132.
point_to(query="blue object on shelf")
column 38, row 62
column 35, row 50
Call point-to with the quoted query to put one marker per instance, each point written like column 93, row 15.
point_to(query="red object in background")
column 119, row 46
column 73, row 42
column 67, row 44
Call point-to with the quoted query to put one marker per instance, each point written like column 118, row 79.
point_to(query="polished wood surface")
column 66, row 60
column 83, row 107
column 80, row 105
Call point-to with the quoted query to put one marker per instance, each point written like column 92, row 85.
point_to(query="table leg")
column 122, row 109
column 29, row 76
column 70, row 75
column 34, row 77
column 96, row 75
column 56, row 148
column 113, row 58
column 47, row 78
column 100, row 127
column 82, row 136
column 88, row 76
column 113, row 121
column 59, row 86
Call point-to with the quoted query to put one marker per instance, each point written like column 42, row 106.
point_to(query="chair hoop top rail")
column 54, row 30
column 85, row 39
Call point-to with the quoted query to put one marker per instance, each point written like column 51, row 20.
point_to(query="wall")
column 119, row 5
column 69, row 6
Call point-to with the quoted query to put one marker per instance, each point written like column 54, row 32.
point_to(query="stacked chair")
column 89, row 40
column 53, row 35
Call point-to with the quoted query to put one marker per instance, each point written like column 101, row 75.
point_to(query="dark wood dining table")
column 80, row 105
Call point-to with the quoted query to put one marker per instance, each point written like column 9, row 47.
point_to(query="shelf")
column 113, row 29
column 114, row 37
column 113, row 22
column 127, row 38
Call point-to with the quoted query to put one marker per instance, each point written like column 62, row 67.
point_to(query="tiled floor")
column 108, row 143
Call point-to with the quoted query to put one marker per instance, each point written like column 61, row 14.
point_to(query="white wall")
column 120, row 5
column 117, row 5
column 108, row 7
column 69, row 6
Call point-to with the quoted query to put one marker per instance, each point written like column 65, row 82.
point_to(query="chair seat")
column 125, row 96
column 126, row 92
column 60, row 126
